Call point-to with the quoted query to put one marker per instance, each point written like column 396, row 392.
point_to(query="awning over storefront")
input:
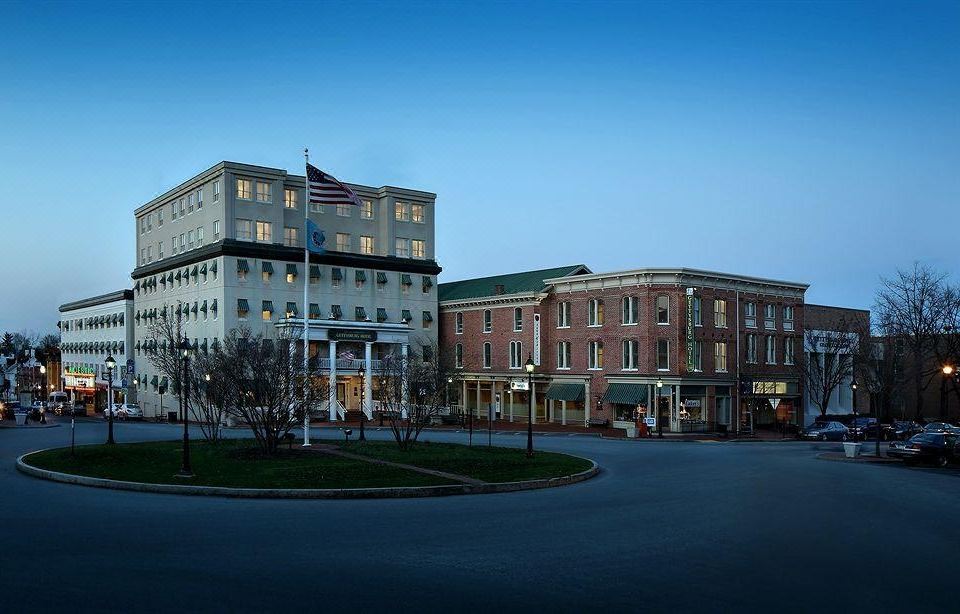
column 626, row 394
column 565, row 392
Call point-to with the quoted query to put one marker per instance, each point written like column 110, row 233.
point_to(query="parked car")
column 940, row 427
column 862, row 428
column 937, row 448
column 128, row 411
column 826, row 431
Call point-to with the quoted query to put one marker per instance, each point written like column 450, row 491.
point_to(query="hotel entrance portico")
column 340, row 348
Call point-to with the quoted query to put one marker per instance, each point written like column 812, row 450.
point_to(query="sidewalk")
column 12, row 424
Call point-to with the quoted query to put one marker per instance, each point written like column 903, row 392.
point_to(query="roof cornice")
column 93, row 301
column 677, row 277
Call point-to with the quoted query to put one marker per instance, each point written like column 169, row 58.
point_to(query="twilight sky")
column 815, row 142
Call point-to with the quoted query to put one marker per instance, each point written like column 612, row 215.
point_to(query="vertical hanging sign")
column 536, row 339
column 690, row 358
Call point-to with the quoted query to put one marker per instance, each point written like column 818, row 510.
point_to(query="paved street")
column 667, row 525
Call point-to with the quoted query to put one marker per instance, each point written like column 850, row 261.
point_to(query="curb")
column 30, row 428
column 307, row 493
column 837, row 457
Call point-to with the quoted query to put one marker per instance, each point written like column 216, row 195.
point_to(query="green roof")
column 513, row 283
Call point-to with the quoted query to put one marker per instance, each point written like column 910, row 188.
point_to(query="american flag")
column 325, row 190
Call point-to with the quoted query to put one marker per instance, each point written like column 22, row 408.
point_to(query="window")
column 563, row 355
column 487, row 321
column 771, row 350
column 788, row 352
column 663, row 309
column 267, row 310
column 629, row 307
column 199, row 199
column 336, row 275
column 366, row 245
column 159, row 217
column 343, row 242
column 402, row 212
column 190, row 198
column 200, row 236
column 418, row 248
column 173, row 211
column 595, row 312
column 343, row 210
column 720, row 313
column 216, row 191
column 750, row 315
column 770, row 317
column 149, row 253
column 243, row 308
column 416, row 213
column 216, row 230
column 720, row 356
column 290, row 236
column 751, row 349
column 458, row 322
column 563, row 314
column 143, row 225
column 266, row 271
column 516, row 354
column 291, row 272
column 244, row 190
column 264, row 231
column 264, row 192
column 359, row 278
column 631, row 355
column 160, row 250
column 487, row 355
column 289, row 198
column 183, row 207
column 697, row 356
column 595, row 355
column 458, row 353
column 697, row 311
column 366, row 210
column 663, row 354
column 788, row 318
column 189, row 239
column 402, row 247
column 244, row 230
column 517, row 319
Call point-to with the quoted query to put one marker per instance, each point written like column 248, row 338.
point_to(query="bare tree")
column 916, row 304
column 211, row 391
column 415, row 392
column 271, row 390
column 828, row 361
column 879, row 365
column 165, row 334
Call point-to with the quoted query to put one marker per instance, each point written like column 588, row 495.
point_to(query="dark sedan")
column 826, row 431
column 936, row 448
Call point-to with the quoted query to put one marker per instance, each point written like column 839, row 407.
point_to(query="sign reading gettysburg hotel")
column 691, row 363
column 341, row 334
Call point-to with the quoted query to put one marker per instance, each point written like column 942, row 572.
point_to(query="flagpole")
column 306, row 298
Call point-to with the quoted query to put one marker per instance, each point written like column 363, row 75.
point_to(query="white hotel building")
column 225, row 248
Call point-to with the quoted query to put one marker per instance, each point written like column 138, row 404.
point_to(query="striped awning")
column 565, row 392
column 626, row 394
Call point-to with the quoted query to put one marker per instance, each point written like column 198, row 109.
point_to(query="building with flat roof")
column 694, row 350
column 224, row 249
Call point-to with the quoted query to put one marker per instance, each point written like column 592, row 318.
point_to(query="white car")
column 128, row 411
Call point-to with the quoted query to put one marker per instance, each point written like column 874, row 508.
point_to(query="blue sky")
column 816, row 142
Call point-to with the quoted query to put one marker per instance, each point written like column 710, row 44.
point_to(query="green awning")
column 361, row 313
column 381, row 277
column 291, row 269
column 267, row 267
column 194, row 271
column 381, row 314
column 626, row 394
column 267, row 306
column 361, row 276
column 242, row 267
column 335, row 310
column 427, row 282
column 314, row 311
column 291, row 309
column 243, row 305
column 154, row 381
column 336, row 274
column 314, row 271
column 427, row 317
column 405, row 280
column 565, row 392
column 405, row 315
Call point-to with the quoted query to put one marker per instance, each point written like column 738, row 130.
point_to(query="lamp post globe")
column 363, row 414
column 110, row 364
column 947, row 371
column 529, row 368
column 657, row 406
column 853, row 402
column 186, row 351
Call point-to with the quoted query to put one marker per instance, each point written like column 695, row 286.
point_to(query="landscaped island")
column 327, row 465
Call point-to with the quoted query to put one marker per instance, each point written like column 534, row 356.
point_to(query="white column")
column 676, row 407
column 587, row 403
column 405, row 386
column 533, row 400
column 478, row 398
column 368, row 380
column 333, row 381
column 463, row 397
column 563, row 413
column 511, row 405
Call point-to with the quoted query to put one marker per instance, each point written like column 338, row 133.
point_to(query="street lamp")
column 529, row 366
column 853, row 401
column 383, row 387
column 111, row 364
column 659, row 416
column 186, row 350
column 363, row 414
column 947, row 371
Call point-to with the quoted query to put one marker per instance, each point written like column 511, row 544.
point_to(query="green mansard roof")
column 513, row 283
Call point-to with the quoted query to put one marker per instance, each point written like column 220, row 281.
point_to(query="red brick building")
column 696, row 350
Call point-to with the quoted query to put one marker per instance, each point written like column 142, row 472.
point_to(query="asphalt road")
column 666, row 526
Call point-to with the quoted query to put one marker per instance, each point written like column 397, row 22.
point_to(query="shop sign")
column 690, row 362
column 650, row 421
column 79, row 381
column 342, row 334
column 694, row 403
column 78, row 371
column 536, row 339
column 519, row 384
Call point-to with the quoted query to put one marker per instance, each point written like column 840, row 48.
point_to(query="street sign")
column 774, row 402
column 519, row 385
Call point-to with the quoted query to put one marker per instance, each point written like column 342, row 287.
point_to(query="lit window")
column 343, row 242
column 750, row 315
column 595, row 312
column 720, row 356
column 343, row 210
column 244, row 190
column 402, row 247
column 720, row 313
column 418, row 248
column 771, row 350
column 244, row 230
column 402, row 212
column 416, row 213
column 267, row 311
column 458, row 318
column 291, row 273
column 264, row 192
column 264, row 231
column 290, row 236
column 487, row 320
column 366, row 211
column 595, row 355
column 289, row 198
column 517, row 319
column 366, row 245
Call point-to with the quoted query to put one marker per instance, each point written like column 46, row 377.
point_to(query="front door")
column 342, row 393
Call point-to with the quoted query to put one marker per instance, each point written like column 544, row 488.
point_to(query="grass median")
column 238, row 464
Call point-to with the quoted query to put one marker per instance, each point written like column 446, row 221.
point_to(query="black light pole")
column 363, row 415
column 187, row 351
column 111, row 364
column 529, row 366
column 383, row 386
column 659, row 416
column 947, row 371
column 853, row 398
